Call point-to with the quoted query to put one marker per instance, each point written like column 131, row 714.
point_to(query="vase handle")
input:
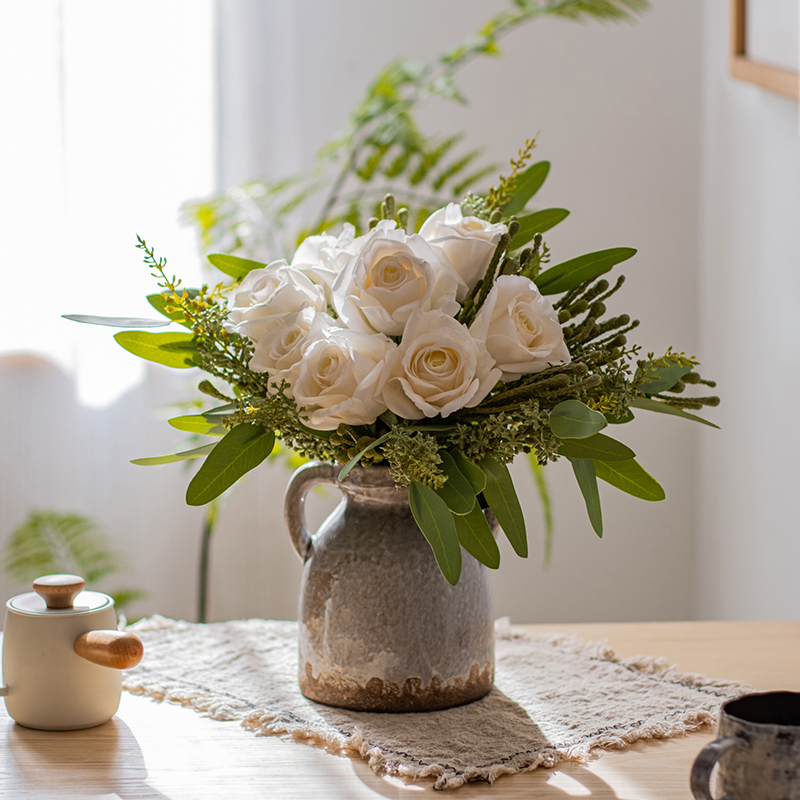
column 308, row 476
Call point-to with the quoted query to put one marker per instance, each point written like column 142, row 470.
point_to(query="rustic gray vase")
column 380, row 629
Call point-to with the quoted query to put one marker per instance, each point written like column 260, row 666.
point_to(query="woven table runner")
column 555, row 698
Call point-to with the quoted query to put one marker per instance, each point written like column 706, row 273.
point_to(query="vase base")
column 379, row 695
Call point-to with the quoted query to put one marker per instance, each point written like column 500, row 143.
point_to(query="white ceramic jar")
column 62, row 656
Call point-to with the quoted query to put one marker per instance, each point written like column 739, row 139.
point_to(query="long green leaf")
column 472, row 472
column 436, row 523
column 242, row 449
column 234, row 266
column 547, row 505
column 154, row 461
column 116, row 322
column 569, row 274
column 538, row 222
column 345, row 470
column 662, row 379
column 207, row 424
column 476, row 537
column 171, row 349
column 502, row 499
column 527, row 185
column 160, row 303
column 575, row 420
column 626, row 417
column 649, row 404
column 584, row 474
column 599, row 446
column 457, row 492
column 631, row 477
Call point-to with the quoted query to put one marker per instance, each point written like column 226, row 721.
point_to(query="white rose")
column 272, row 291
column 281, row 348
column 321, row 258
column 438, row 367
column 520, row 328
column 337, row 377
column 469, row 242
column 392, row 276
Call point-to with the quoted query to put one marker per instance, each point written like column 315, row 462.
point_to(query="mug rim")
column 724, row 709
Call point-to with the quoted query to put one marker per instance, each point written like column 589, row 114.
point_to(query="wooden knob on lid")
column 59, row 591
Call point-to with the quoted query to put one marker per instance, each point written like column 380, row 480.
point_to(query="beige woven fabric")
column 554, row 698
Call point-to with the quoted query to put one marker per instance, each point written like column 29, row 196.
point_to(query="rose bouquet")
column 441, row 354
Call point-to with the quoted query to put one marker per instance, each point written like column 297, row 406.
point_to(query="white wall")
column 749, row 542
column 618, row 113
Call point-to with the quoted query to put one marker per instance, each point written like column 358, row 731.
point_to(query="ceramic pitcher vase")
column 380, row 629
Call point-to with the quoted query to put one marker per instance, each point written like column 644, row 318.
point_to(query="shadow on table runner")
column 555, row 698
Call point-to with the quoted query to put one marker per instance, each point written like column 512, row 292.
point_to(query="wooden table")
column 152, row 750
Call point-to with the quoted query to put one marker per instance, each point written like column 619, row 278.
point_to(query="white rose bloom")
column 468, row 242
column 337, row 376
column 272, row 291
column 281, row 348
column 520, row 328
column 321, row 258
column 438, row 367
column 392, row 276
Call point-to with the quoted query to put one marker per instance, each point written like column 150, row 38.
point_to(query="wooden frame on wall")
column 776, row 79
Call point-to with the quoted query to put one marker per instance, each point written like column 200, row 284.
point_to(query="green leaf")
column 457, row 492
column 575, row 420
column 242, row 449
column 569, row 274
column 502, row 499
column 476, row 537
column 234, row 266
column 116, row 322
column 436, row 523
column 154, row 461
column 626, row 417
column 547, row 505
column 527, row 185
column 171, row 349
column 208, row 424
column 665, row 408
column 538, row 222
column 160, row 303
column 630, row 477
column 599, row 446
column 345, row 470
column 662, row 379
column 472, row 472
column 584, row 474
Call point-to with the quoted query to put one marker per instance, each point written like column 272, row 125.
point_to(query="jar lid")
column 32, row 603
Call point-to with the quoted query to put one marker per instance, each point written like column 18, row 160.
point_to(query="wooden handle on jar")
column 114, row 649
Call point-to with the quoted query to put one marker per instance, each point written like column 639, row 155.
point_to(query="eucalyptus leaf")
column 599, row 446
column 568, row 274
column 527, row 185
column 575, row 420
column 547, row 505
column 626, row 417
column 472, row 472
column 155, row 461
column 117, row 322
column 476, row 537
column 649, row 404
column 502, row 499
column 631, row 477
column 237, row 268
column 538, row 222
column 176, row 350
column 243, row 448
column 587, row 481
column 457, row 491
column 662, row 379
column 438, row 527
column 345, row 470
column 208, row 424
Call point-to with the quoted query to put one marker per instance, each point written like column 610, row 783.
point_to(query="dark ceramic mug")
column 758, row 750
